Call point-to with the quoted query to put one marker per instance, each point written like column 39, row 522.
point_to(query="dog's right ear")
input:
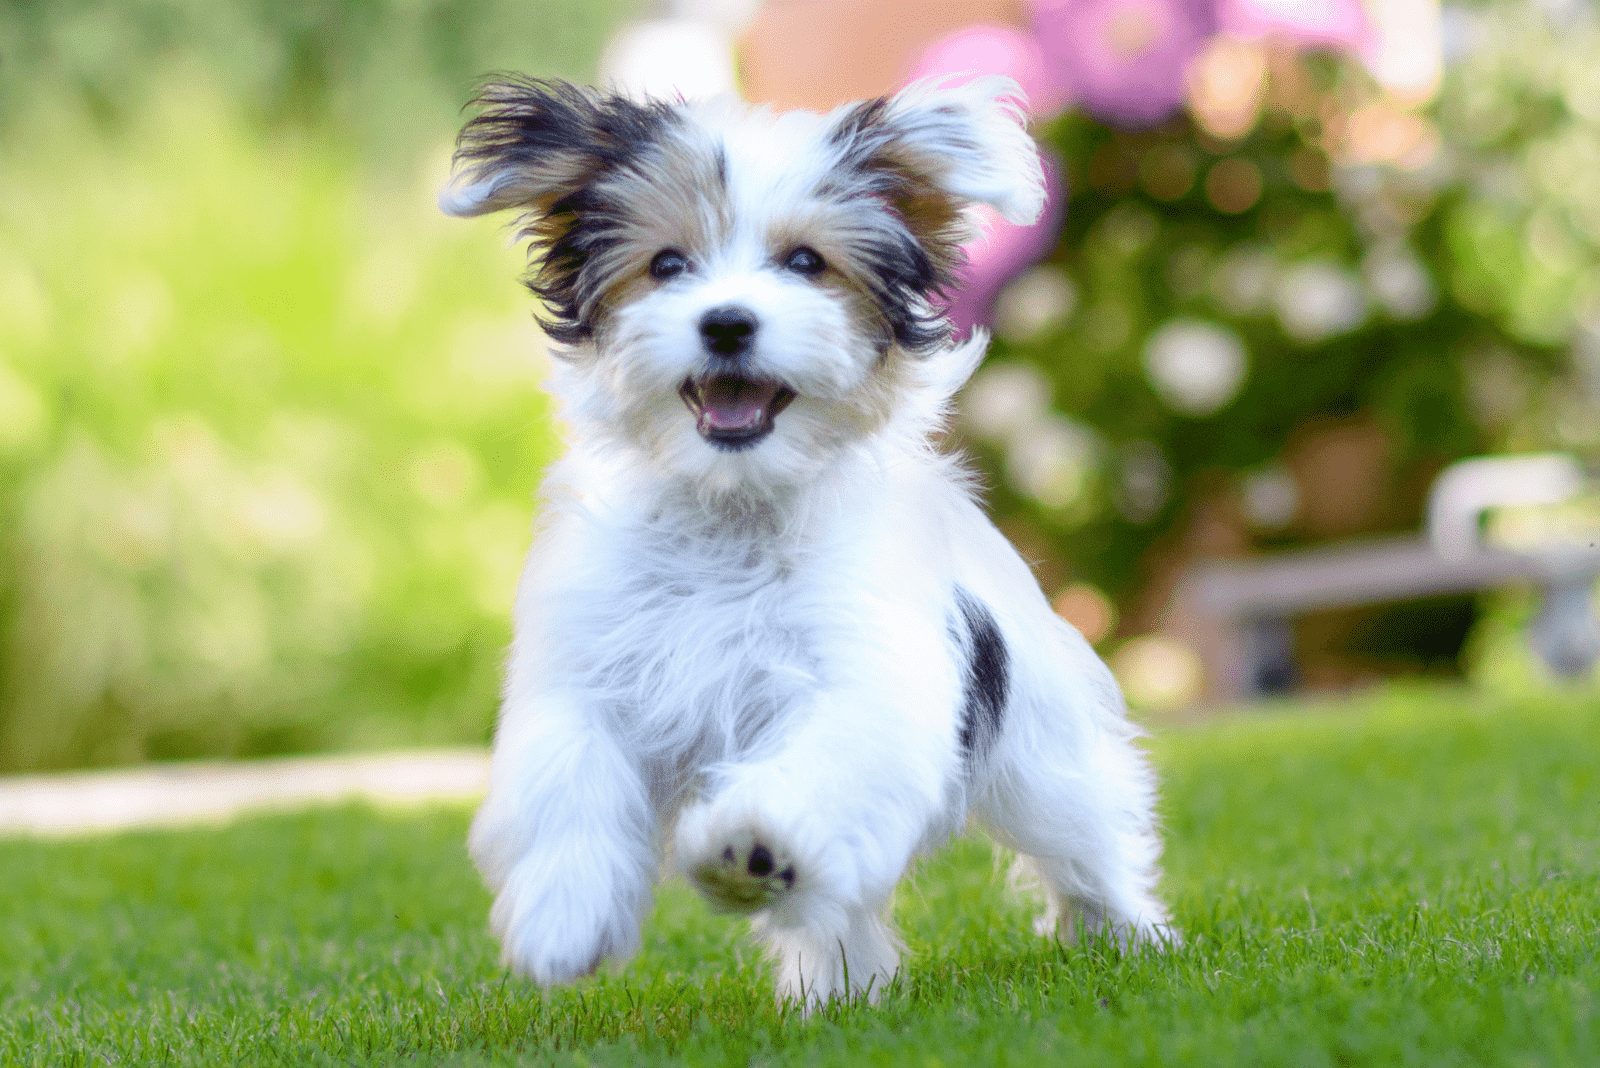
column 535, row 142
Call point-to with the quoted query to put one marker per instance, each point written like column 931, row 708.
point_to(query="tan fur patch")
column 825, row 227
column 678, row 201
column 931, row 214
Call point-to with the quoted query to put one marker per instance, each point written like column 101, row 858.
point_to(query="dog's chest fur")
column 697, row 642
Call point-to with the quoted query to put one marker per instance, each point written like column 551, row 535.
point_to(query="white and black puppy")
column 764, row 628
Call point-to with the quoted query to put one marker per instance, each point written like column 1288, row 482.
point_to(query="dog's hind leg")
column 835, row 954
column 1069, row 790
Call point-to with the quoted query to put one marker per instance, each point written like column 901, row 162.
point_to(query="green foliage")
column 1405, row 882
column 1339, row 260
column 271, row 432
column 385, row 75
column 270, row 427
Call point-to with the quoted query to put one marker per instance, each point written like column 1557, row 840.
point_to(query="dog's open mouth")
column 733, row 412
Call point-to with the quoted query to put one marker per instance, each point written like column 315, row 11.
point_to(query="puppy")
column 764, row 628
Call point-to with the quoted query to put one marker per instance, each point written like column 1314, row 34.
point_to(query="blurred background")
column 270, row 426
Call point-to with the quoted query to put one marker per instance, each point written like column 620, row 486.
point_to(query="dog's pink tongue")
column 733, row 403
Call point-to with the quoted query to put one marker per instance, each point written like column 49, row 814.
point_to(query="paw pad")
column 747, row 875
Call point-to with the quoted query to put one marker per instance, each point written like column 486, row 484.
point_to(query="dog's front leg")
column 565, row 839
column 814, row 834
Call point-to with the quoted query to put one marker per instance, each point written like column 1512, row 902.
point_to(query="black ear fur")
column 540, row 146
column 919, row 257
column 535, row 140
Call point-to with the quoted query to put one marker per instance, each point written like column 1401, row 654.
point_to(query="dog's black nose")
column 727, row 331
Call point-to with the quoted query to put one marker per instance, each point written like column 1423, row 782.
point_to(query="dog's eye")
column 667, row 263
column 804, row 261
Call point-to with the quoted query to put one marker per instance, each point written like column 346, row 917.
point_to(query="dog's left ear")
column 536, row 142
column 962, row 144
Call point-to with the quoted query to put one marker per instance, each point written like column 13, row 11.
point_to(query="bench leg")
column 1269, row 644
column 1566, row 631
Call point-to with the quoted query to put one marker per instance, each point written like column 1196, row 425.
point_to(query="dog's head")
column 740, row 295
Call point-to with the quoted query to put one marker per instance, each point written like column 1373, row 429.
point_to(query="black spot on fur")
column 557, row 140
column 987, row 680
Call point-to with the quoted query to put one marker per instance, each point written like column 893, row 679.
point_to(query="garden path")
column 67, row 804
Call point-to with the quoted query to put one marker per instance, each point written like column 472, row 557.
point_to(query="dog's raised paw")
column 747, row 874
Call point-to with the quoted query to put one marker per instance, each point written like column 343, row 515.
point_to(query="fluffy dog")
column 764, row 628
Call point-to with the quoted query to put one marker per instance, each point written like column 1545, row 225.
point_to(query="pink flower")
column 1004, row 251
column 1340, row 24
column 996, row 50
column 1125, row 60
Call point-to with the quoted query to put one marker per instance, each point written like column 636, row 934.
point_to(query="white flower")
column 1033, row 302
column 1271, row 498
column 1004, row 398
column 1051, row 460
column 1195, row 367
column 733, row 15
column 665, row 58
column 1243, row 280
column 1319, row 299
column 1159, row 673
column 1400, row 282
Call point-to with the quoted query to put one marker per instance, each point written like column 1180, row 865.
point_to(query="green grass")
column 1414, row 879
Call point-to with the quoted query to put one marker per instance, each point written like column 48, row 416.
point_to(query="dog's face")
column 740, row 294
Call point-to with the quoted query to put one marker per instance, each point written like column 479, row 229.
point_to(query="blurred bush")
column 386, row 76
column 1285, row 299
column 269, row 425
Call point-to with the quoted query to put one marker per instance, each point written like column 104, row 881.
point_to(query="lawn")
column 1412, row 878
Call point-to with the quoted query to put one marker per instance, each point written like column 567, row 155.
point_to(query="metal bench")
column 1240, row 610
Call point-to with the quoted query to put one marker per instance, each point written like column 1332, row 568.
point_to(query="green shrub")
column 269, row 432
column 383, row 75
column 270, row 426
column 1220, row 304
